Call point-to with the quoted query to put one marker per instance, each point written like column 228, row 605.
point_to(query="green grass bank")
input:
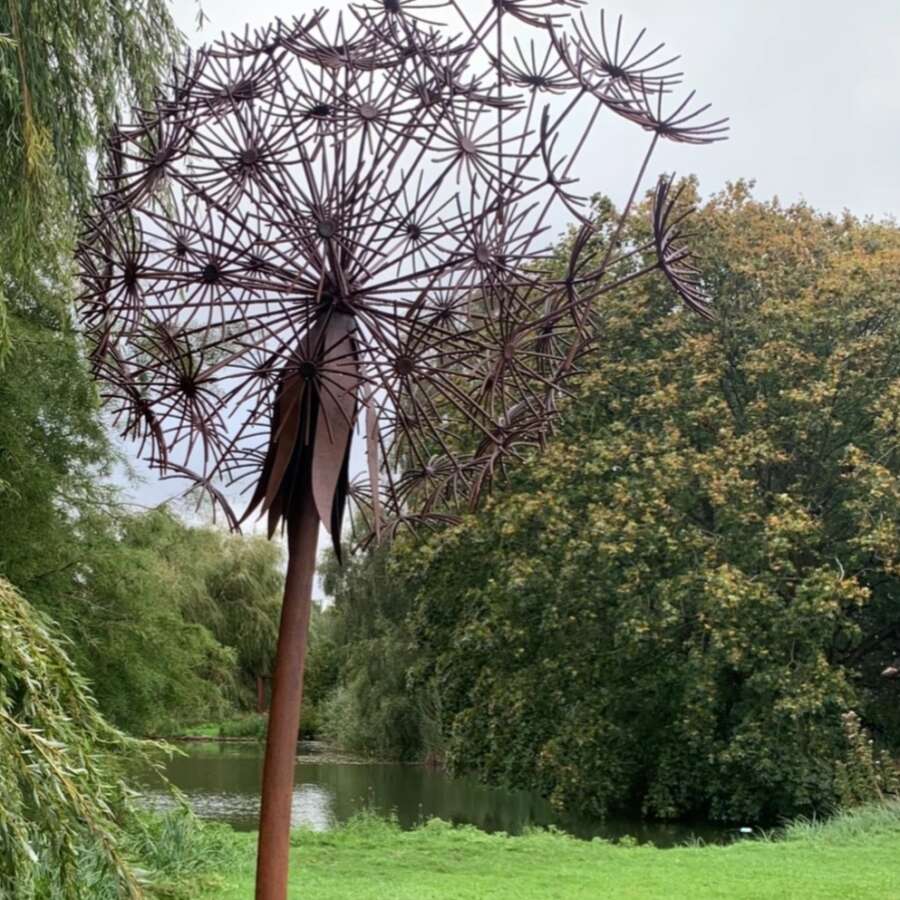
column 855, row 855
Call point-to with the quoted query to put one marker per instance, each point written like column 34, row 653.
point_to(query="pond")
column 221, row 782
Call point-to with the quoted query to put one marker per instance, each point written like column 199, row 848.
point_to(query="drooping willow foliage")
column 60, row 799
column 65, row 69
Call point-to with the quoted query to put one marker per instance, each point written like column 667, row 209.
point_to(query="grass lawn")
column 856, row 855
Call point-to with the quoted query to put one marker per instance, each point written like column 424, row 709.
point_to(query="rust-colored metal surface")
column 347, row 227
column 287, row 695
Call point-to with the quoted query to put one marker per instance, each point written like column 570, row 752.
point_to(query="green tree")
column 675, row 605
column 53, row 454
column 172, row 623
column 64, row 73
column 243, row 591
column 128, row 611
column 365, row 647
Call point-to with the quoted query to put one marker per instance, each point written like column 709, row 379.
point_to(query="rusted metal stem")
column 287, row 695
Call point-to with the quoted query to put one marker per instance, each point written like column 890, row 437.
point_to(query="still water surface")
column 221, row 781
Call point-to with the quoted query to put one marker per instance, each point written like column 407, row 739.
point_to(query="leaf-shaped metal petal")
column 259, row 491
column 338, row 387
column 289, row 407
column 276, row 511
column 339, row 504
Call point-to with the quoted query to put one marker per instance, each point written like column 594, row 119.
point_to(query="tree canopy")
column 65, row 73
column 59, row 795
column 674, row 606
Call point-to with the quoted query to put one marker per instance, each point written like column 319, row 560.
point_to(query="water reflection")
column 221, row 781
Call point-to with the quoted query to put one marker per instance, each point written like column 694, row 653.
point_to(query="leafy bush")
column 254, row 726
column 245, row 727
column 310, row 721
column 364, row 698
column 370, row 713
column 862, row 824
column 177, row 852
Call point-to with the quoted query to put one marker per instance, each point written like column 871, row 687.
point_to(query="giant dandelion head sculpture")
column 340, row 225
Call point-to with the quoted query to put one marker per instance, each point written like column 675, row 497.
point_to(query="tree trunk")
column 287, row 693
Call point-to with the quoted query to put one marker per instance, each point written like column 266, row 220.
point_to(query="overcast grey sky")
column 812, row 89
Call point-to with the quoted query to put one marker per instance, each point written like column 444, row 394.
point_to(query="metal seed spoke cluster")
column 345, row 224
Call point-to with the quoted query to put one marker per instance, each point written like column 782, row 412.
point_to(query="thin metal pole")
column 287, row 694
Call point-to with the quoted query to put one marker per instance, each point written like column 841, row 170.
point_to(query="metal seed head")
column 344, row 226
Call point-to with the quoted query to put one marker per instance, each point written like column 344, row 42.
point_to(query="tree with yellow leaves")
column 673, row 608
